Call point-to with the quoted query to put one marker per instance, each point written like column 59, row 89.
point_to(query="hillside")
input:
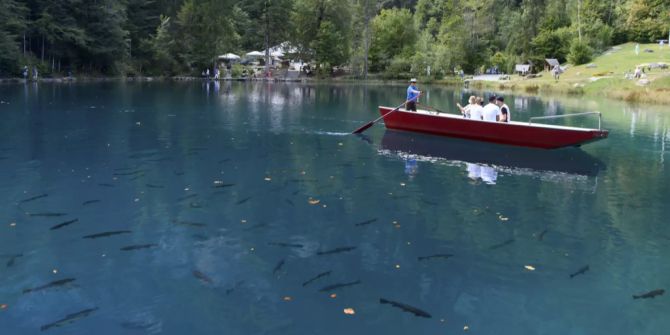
column 605, row 75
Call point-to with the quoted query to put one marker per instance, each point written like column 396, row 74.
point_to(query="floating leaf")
column 529, row 267
column 313, row 201
column 349, row 311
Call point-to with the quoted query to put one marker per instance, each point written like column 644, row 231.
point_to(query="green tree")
column 580, row 53
column 648, row 20
column 309, row 16
column 12, row 23
column 205, row 31
column 393, row 35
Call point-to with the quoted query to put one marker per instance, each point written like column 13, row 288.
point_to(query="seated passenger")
column 466, row 110
column 476, row 109
column 505, row 115
column 491, row 111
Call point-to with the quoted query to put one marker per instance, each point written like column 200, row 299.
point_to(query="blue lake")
column 244, row 208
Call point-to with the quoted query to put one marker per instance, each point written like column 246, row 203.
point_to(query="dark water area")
column 245, row 208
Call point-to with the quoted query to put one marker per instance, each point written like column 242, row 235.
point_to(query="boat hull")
column 513, row 133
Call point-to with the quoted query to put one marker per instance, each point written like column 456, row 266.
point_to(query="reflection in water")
column 482, row 172
column 484, row 160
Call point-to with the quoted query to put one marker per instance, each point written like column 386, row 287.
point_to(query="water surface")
column 226, row 199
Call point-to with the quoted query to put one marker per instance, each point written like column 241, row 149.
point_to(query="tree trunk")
column 366, row 41
column 24, row 44
column 42, row 48
column 267, row 41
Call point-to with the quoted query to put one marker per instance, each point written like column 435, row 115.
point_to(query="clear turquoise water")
column 157, row 159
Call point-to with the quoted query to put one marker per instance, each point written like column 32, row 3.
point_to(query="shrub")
column 580, row 53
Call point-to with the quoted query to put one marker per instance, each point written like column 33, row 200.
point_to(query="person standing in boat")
column 504, row 110
column 413, row 94
column 491, row 111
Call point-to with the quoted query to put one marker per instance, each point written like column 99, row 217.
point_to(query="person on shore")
column 35, row 73
column 491, row 111
column 557, row 72
column 413, row 94
column 638, row 73
column 505, row 115
column 207, row 73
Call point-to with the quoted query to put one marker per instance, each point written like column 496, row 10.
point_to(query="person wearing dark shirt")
column 504, row 110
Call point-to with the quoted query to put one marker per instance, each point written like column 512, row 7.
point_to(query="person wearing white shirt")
column 491, row 112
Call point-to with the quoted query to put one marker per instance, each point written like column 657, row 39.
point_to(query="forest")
column 392, row 38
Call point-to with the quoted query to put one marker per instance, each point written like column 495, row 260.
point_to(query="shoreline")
column 611, row 88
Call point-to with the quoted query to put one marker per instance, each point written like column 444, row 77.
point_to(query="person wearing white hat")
column 413, row 94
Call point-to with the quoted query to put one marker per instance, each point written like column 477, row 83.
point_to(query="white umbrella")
column 229, row 56
column 255, row 54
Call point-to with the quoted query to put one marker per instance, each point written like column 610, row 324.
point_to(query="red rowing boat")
column 525, row 134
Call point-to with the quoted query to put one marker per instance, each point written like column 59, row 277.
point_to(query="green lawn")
column 606, row 78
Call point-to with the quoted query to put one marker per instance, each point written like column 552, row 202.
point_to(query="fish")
column 338, row 286
column 203, row 277
column 195, row 205
column 581, row 271
column 70, row 318
column 178, row 173
column 443, row 256
column 540, row 236
column 335, row 251
column 34, row 198
column 138, row 247
column 190, row 224
column 105, row 184
column 406, row 308
column 317, row 277
column 243, row 201
column 428, row 202
column 163, row 159
column 500, row 245
column 186, row 197
column 224, row 160
column 288, row 201
column 366, row 222
column 56, row 283
column 223, row 185
column 286, row 245
column 650, row 294
column 154, row 186
column 278, row 266
column 107, row 234
column 46, row 214
column 88, row 202
column 66, row 223
column 12, row 260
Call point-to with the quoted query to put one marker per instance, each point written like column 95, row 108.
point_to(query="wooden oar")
column 371, row 123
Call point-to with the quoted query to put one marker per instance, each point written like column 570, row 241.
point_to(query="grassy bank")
column 604, row 77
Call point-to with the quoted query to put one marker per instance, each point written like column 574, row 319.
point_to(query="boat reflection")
column 484, row 161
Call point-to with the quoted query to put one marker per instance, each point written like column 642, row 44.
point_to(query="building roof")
column 552, row 62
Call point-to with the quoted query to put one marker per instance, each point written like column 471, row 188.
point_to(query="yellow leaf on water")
column 529, row 267
column 268, row 178
column 3, row 306
column 333, row 295
column 349, row 311
column 287, row 298
column 313, row 201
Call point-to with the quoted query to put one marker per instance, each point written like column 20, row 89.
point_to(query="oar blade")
column 363, row 128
